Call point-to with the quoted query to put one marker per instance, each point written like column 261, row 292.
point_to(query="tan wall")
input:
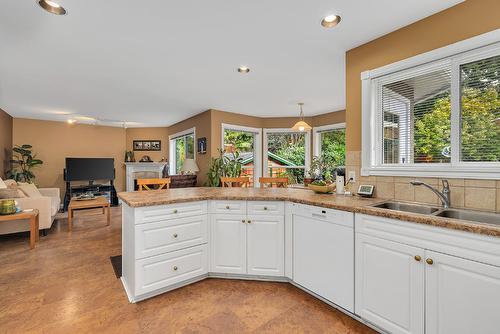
column 160, row 133
column 5, row 141
column 54, row 141
column 457, row 23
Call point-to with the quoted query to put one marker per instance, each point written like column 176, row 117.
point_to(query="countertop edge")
column 442, row 222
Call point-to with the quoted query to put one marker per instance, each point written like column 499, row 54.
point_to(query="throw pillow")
column 10, row 183
column 2, row 184
column 11, row 193
column 29, row 189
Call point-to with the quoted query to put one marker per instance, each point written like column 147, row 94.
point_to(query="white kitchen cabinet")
column 228, row 244
column 323, row 253
column 462, row 296
column 265, row 245
column 390, row 284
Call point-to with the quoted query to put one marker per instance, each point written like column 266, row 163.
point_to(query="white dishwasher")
column 323, row 253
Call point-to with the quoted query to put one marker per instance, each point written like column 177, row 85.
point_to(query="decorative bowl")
column 322, row 189
column 7, row 207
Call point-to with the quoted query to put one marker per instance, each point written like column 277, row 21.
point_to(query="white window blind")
column 416, row 120
column 480, row 110
column 436, row 114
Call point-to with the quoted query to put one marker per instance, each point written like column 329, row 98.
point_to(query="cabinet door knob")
column 175, row 211
column 227, row 207
column 265, row 208
column 249, row 221
column 429, row 261
column 175, row 235
column 243, row 221
column 175, row 268
column 418, row 258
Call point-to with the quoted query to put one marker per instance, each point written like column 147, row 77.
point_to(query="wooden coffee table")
column 34, row 223
column 98, row 202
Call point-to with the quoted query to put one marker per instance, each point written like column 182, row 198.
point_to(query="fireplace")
column 139, row 170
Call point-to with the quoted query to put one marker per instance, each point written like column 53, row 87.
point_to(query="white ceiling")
column 156, row 62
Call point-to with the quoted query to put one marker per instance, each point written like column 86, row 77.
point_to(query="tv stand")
column 106, row 190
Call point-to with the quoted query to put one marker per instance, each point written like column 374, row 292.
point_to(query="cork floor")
column 67, row 285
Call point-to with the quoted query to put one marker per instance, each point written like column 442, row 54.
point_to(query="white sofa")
column 48, row 206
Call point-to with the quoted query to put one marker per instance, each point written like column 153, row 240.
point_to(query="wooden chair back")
column 146, row 184
column 230, row 181
column 280, row 182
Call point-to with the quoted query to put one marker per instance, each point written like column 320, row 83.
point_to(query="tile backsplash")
column 465, row 193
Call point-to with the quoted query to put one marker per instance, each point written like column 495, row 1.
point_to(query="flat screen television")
column 89, row 169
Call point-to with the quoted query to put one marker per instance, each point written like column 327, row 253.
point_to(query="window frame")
column 476, row 48
column 257, row 162
column 172, row 156
column 307, row 148
column 316, row 132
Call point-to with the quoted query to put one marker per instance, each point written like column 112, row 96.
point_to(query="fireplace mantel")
column 133, row 167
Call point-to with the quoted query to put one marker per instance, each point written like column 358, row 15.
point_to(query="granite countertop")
column 339, row 202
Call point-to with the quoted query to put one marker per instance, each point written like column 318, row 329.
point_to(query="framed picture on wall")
column 147, row 145
column 202, row 145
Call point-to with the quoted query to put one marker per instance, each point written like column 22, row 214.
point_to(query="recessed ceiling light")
column 52, row 7
column 331, row 21
column 71, row 121
column 243, row 69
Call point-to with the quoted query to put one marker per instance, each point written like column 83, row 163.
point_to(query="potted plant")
column 23, row 162
column 223, row 165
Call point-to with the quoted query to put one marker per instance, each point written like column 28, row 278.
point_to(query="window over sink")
column 426, row 117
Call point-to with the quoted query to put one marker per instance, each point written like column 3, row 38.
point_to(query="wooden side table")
column 34, row 223
column 98, row 202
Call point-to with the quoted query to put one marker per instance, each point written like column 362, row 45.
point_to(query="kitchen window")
column 246, row 142
column 181, row 148
column 434, row 118
column 329, row 141
column 287, row 154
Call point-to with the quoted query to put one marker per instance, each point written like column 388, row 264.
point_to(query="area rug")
column 116, row 262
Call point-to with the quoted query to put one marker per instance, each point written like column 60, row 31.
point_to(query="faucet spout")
column 444, row 196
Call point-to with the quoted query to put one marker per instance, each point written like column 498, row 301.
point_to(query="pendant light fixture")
column 301, row 125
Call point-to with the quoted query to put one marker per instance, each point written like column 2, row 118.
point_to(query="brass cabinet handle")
column 175, row 268
column 175, row 235
column 418, row 258
column 175, row 211
column 429, row 261
column 227, row 207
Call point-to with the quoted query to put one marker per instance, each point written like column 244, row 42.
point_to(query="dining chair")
column 280, row 182
column 230, row 181
column 147, row 184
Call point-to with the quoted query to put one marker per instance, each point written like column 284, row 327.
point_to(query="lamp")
column 301, row 125
column 189, row 167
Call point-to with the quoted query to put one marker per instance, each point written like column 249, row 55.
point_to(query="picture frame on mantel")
column 146, row 145
column 202, row 145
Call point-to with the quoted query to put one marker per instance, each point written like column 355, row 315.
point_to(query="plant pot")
column 308, row 180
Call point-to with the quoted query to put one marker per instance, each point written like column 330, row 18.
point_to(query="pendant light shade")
column 301, row 125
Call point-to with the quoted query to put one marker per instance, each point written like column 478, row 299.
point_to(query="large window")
column 439, row 118
column 287, row 154
column 181, row 148
column 329, row 142
column 247, row 143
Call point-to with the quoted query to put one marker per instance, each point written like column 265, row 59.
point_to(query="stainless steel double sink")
column 470, row 215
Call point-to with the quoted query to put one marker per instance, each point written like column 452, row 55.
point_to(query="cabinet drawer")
column 169, row 235
column 266, row 207
column 163, row 212
column 161, row 271
column 236, row 207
